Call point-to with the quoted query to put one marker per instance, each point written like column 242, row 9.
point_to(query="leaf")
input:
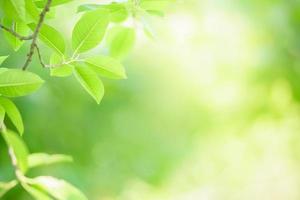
column 2, row 115
column 39, row 159
column 5, row 187
column 51, row 37
column 32, row 10
column 19, row 6
column 120, row 41
column 17, row 148
column 89, row 30
column 41, row 3
column 107, row 66
column 18, row 27
column 2, row 59
column 61, row 71
column 36, row 192
column 89, row 81
column 118, row 11
column 57, row 69
column 13, row 113
column 88, row 7
column 57, row 188
column 15, row 82
column 154, row 5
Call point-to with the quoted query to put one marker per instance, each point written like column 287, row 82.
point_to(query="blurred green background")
column 210, row 109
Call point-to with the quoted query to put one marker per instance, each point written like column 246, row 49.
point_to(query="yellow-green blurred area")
column 210, row 109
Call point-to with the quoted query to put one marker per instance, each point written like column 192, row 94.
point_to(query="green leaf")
column 41, row 3
column 13, row 113
column 89, row 7
column 5, row 187
column 107, row 66
column 17, row 148
column 120, row 41
column 89, row 81
column 61, row 71
column 18, row 27
column 40, row 159
column 154, row 5
column 57, row 68
column 57, row 188
column 118, row 11
column 14, row 82
column 36, row 192
column 89, row 30
column 51, row 37
column 32, row 10
column 2, row 115
column 2, row 59
column 19, row 6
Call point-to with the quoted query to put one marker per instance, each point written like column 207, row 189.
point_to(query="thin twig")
column 40, row 56
column 17, row 35
column 36, row 33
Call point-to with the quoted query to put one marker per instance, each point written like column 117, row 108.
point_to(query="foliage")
column 25, row 21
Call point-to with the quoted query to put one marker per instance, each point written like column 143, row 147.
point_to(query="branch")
column 36, row 33
column 40, row 56
column 17, row 35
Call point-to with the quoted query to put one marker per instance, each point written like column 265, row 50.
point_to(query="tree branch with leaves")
column 25, row 21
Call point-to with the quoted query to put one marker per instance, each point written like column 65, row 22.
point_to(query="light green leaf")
column 13, row 113
column 57, row 68
column 17, row 148
column 36, row 192
column 61, row 71
column 18, row 27
column 14, row 82
column 107, row 66
column 2, row 59
column 2, row 69
column 40, row 159
column 19, row 6
column 89, row 30
column 41, row 3
column 32, row 10
column 154, row 5
column 5, row 187
column 120, row 41
column 89, row 7
column 51, row 37
column 57, row 188
column 2, row 115
column 118, row 11
column 89, row 81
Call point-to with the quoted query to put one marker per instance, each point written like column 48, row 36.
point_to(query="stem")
column 40, row 56
column 36, row 33
column 17, row 35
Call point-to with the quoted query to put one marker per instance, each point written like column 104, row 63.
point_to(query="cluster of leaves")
column 97, row 21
